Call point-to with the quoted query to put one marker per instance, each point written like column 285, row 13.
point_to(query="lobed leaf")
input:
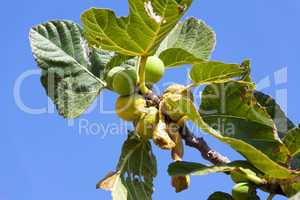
column 133, row 179
column 61, row 52
column 140, row 33
column 189, row 42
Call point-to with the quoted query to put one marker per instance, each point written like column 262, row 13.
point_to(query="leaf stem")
column 142, row 75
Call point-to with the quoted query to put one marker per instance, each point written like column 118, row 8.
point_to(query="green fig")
column 110, row 76
column 124, row 81
column 244, row 191
column 154, row 69
column 130, row 108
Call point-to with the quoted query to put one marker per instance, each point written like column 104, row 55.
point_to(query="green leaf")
column 216, row 72
column 282, row 122
column 292, row 140
column 99, row 62
column 122, row 60
column 256, row 157
column 60, row 50
column 140, row 33
column 190, row 168
column 182, row 168
column 232, row 109
column 189, row 42
column 133, row 179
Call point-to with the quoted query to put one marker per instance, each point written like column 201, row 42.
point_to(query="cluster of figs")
column 157, row 121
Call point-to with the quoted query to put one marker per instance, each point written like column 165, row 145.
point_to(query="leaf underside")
column 61, row 52
column 140, row 33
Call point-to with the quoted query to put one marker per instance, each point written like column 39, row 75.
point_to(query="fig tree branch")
column 200, row 144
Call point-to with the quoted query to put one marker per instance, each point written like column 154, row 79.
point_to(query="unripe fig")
column 161, row 137
column 110, row 76
column 124, row 82
column 147, row 123
column 220, row 196
column 154, row 69
column 180, row 183
column 130, row 108
column 244, row 191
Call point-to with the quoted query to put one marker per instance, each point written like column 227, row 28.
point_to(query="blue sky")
column 44, row 157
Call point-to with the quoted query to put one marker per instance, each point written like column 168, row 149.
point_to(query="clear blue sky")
column 42, row 158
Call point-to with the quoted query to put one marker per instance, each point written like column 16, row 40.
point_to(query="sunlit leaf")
column 140, row 33
column 216, row 72
column 189, row 42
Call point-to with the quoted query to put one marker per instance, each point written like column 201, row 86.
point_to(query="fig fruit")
column 154, row 69
column 110, row 76
column 220, row 196
column 130, row 108
column 124, row 81
column 244, row 191
column 147, row 123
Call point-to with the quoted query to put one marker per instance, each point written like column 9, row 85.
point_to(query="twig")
column 199, row 143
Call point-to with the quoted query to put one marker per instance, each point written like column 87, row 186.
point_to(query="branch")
column 199, row 143
column 190, row 139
